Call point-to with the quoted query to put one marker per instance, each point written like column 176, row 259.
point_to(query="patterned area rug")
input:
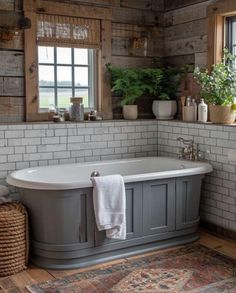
column 192, row 268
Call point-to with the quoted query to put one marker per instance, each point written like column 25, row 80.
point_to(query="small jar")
column 51, row 112
column 56, row 118
column 66, row 115
column 76, row 109
column 92, row 116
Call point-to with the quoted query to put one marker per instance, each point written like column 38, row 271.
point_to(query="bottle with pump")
column 202, row 111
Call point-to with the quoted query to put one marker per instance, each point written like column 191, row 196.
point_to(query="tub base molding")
column 102, row 257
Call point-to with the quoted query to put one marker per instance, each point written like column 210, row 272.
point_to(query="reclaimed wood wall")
column 185, row 32
column 175, row 30
column 185, row 37
column 131, row 19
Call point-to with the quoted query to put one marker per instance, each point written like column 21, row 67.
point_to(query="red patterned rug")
column 192, row 268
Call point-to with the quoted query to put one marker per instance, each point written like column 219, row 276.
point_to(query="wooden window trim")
column 217, row 12
column 31, row 8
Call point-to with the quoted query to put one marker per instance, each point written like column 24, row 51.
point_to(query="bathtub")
column 162, row 198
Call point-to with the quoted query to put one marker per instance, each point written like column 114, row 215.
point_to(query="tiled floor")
column 17, row 283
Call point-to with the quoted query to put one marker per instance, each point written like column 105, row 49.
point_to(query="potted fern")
column 218, row 88
column 131, row 84
column 165, row 106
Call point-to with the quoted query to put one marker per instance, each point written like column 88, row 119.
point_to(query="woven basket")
column 14, row 244
column 221, row 114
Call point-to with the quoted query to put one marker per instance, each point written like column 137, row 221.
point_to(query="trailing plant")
column 218, row 86
column 133, row 83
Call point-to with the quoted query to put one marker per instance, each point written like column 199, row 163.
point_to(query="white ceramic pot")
column 130, row 112
column 164, row 109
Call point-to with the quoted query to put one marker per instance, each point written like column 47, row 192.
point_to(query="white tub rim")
column 196, row 168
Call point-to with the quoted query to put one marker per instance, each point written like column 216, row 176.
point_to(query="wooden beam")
column 215, row 39
column 31, row 68
column 104, row 101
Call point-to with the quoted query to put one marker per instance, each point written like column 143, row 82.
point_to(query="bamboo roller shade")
column 56, row 30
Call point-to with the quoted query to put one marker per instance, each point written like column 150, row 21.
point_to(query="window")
column 231, row 34
column 66, row 52
column 66, row 72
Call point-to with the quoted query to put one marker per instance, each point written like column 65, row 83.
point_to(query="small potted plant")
column 218, row 88
column 131, row 84
column 165, row 107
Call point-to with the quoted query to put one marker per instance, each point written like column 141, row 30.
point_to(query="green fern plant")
column 131, row 84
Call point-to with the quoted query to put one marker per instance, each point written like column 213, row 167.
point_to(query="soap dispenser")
column 202, row 111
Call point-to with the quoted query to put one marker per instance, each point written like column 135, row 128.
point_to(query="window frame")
column 229, row 30
column 217, row 14
column 92, row 77
column 103, row 90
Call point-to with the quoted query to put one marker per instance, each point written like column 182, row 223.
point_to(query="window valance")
column 56, row 30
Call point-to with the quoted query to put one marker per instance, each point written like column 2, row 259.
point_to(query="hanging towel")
column 4, row 192
column 110, row 205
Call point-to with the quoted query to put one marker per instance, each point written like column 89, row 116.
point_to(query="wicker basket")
column 14, row 246
column 221, row 114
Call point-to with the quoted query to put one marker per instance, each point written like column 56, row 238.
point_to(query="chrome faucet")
column 189, row 151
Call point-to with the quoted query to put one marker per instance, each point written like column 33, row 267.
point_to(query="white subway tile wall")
column 30, row 145
column 218, row 201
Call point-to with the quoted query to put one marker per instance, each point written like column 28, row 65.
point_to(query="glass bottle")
column 76, row 109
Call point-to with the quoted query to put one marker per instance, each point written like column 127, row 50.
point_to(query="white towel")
column 110, row 205
column 4, row 192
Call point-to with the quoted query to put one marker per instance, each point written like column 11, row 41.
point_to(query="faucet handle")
column 185, row 141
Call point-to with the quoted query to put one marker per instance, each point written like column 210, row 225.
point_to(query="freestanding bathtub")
column 162, row 198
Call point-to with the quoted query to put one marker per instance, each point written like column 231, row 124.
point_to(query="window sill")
column 198, row 123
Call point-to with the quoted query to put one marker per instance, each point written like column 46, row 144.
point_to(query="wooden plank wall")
column 185, row 31
column 185, row 37
column 131, row 19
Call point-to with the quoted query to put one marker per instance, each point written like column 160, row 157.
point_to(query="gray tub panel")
column 133, row 216
column 158, row 206
column 160, row 213
column 61, row 217
column 188, row 191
